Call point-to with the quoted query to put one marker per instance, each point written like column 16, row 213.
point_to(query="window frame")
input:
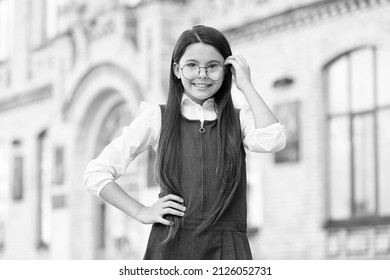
column 353, row 220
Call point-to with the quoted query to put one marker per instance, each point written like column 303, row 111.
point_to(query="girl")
column 199, row 138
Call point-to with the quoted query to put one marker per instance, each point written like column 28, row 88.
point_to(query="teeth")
column 201, row 85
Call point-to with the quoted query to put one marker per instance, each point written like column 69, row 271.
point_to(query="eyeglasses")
column 192, row 71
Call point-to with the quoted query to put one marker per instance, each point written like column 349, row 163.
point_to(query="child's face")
column 201, row 88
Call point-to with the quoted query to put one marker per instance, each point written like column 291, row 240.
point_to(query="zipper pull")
column 201, row 129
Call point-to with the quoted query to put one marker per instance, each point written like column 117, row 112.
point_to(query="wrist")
column 247, row 87
column 138, row 214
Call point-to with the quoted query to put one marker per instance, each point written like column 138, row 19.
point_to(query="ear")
column 176, row 70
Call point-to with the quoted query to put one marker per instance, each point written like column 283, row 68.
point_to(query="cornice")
column 25, row 98
column 299, row 17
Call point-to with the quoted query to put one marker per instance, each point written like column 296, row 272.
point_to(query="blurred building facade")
column 73, row 73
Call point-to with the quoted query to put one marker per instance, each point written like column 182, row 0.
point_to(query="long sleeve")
column 261, row 140
column 116, row 156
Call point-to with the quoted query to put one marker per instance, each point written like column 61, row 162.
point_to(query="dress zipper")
column 201, row 132
column 201, row 129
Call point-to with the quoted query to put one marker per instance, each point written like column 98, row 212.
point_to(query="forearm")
column 116, row 196
column 262, row 114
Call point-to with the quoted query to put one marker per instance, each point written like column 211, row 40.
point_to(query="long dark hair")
column 228, row 138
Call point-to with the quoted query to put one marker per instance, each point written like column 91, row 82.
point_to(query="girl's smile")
column 200, row 88
column 202, row 85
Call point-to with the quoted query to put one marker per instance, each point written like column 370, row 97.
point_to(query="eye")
column 191, row 65
column 213, row 66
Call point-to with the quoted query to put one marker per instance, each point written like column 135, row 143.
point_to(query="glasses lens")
column 215, row 72
column 190, row 71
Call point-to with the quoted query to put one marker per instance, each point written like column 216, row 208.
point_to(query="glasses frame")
column 223, row 68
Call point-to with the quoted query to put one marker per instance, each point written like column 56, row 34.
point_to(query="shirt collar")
column 185, row 98
column 193, row 110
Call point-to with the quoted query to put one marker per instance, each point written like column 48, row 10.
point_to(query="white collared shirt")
column 144, row 131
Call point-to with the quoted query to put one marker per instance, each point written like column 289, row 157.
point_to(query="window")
column 6, row 28
column 51, row 18
column 288, row 114
column 48, row 18
column 44, row 191
column 4, row 192
column 55, row 20
column 358, row 114
column 18, row 173
column 59, row 170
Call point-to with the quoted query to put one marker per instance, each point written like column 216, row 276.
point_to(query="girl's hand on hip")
column 240, row 70
column 167, row 205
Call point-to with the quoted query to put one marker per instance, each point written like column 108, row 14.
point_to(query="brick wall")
column 295, row 206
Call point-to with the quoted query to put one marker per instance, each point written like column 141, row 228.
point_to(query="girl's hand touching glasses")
column 240, row 70
column 167, row 205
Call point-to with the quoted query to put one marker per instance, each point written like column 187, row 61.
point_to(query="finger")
column 165, row 222
column 172, row 197
column 229, row 60
column 234, row 64
column 235, row 57
column 230, row 57
column 171, row 204
column 173, row 212
column 243, row 60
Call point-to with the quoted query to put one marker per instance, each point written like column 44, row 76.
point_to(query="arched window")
column 358, row 138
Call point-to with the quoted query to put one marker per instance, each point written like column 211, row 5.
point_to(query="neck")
column 197, row 101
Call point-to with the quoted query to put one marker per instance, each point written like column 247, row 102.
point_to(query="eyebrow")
column 211, row 61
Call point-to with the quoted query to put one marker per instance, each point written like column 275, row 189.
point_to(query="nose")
column 203, row 74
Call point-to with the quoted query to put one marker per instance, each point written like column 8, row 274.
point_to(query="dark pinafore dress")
column 227, row 238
